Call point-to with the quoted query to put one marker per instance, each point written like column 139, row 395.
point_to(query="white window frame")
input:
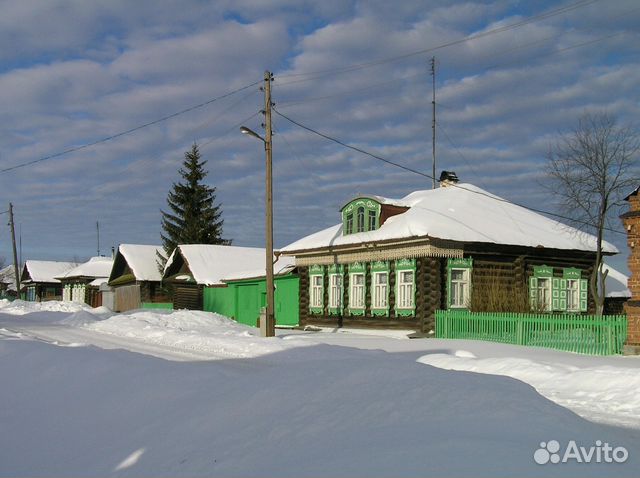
column 540, row 295
column 405, row 290
column 335, row 291
column 356, row 291
column 457, row 284
column 380, row 296
column 573, row 295
column 316, row 292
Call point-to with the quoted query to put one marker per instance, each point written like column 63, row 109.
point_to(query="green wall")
column 157, row 305
column 242, row 300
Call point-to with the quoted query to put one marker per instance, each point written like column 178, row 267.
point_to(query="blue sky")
column 72, row 72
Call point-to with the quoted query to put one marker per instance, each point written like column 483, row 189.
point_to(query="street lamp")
column 267, row 326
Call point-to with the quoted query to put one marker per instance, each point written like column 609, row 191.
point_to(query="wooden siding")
column 188, row 296
column 127, row 297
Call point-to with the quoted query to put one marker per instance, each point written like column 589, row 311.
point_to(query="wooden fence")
column 585, row 334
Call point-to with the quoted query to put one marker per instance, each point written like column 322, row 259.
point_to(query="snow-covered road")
column 331, row 403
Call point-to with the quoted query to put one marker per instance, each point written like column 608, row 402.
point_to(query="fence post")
column 519, row 331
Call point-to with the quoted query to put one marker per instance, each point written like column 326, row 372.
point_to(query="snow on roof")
column 283, row 265
column 143, row 260
column 210, row 263
column 94, row 267
column 48, row 271
column 616, row 283
column 379, row 199
column 99, row 281
column 7, row 276
column 463, row 213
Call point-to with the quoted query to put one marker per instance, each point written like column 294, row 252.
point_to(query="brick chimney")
column 631, row 221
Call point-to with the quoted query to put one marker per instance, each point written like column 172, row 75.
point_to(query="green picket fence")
column 585, row 334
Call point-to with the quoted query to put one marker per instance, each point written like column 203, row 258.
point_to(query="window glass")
column 544, row 293
column 573, row 295
column 405, row 289
column 360, row 219
column 335, row 291
column 349, row 223
column 459, row 288
column 380, row 281
column 372, row 220
column 356, row 295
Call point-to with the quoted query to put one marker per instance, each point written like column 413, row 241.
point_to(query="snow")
column 462, row 213
column 143, row 260
column 616, row 283
column 95, row 267
column 22, row 307
column 47, row 271
column 222, row 402
column 603, row 393
column 209, row 264
column 282, row 266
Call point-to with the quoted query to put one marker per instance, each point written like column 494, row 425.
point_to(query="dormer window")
column 361, row 215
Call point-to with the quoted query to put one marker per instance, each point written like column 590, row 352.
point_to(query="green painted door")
column 248, row 304
column 286, row 299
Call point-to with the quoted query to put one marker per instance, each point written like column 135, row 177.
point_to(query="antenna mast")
column 433, row 121
column 98, row 229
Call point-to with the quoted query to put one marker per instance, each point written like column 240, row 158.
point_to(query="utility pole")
column 433, row 121
column 270, row 326
column 16, row 269
column 98, row 229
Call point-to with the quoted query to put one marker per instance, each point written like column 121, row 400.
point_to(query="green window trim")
column 370, row 219
column 357, row 269
column 404, row 265
column 316, row 271
column 336, row 270
column 559, row 289
column 465, row 264
column 377, row 268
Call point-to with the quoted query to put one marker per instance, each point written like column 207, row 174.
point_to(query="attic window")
column 360, row 215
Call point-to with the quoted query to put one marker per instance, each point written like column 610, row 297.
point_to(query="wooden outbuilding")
column 136, row 278
column 193, row 269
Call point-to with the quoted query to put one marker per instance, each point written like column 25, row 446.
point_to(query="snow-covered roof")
column 99, row 281
column 616, row 283
column 283, row 265
column 143, row 260
column 210, row 263
column 47, row 271
column 94, row 267
column 463, row 213
column 8, row 277
column 378, row 199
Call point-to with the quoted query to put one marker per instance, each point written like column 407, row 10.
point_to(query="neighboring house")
column 393, row 263
column 246, row 293
column 136, row 279
column 8, row 282
column 616, row 291
column 40, row 279
column 82, row 284
column 194, row 269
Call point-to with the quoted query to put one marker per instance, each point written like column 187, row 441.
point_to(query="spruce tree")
column 193, row 216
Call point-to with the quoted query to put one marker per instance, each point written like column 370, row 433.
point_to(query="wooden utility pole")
column 16, row 267
column 269, row 329
column 433, row 121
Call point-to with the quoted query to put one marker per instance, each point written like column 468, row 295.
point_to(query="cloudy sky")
column 73, row 72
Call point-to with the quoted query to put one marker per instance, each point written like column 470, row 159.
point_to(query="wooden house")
column 39, row 279
column 136, row 279
column 82, row 284
column 392, row 263
column 194, row 269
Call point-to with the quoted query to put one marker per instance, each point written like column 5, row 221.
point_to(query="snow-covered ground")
column 221, row 401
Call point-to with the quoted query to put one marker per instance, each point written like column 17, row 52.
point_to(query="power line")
column 129, row 131
column 490, row 196
column 512, row 26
